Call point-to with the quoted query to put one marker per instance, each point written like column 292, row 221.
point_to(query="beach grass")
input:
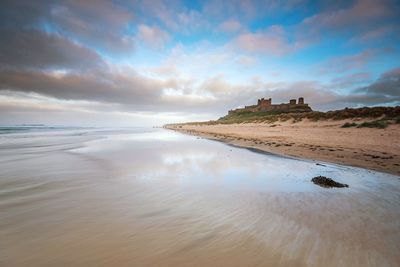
column 349, row 125
column 381, row 124
column 381, row 117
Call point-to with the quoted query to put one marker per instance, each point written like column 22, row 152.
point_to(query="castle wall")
column 265, row 105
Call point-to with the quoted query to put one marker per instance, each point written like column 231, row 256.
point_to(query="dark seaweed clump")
column 327, row 182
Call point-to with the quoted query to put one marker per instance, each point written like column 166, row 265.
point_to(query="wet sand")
column 160, row 198
column 370, row 148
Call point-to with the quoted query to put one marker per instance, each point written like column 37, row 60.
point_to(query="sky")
column 146, row 63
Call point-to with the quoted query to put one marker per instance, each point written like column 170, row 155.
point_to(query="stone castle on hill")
column 265, row 105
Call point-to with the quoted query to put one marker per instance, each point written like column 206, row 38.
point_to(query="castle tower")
column 301, row 101
column 292, row 102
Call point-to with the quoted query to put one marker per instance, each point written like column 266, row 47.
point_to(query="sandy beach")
column 155, row 197
column 370, row 148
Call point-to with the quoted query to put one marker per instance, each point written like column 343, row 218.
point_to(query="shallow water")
column 152, row 197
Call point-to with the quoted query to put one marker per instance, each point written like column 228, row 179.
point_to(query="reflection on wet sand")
column 158, row 198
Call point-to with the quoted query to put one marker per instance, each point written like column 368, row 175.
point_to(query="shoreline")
column 319, row 141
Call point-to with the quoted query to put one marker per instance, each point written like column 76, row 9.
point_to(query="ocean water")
column 154, row 197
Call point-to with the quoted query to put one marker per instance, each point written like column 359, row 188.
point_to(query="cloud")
column 231, row 95
column 102, row 25
column 248, row 10
column 17, row 107
column 80, row 54
column 351, row 80
column 340, row 64
column 162, row 11
column 173, row 16
column 314, row 92
column 361, row 13
column 386, row 90
column 234, row 8
column 191, row 21
column 36, row 49
column 24, row 14
column 231, row 26
column 200, row 61
column 273, row 41
column 122, row 87
column 161, row 71
column 357, row 18
column 116, row 87
column 387, row 85
column 246, row 61
column 33, row 102
column 217, row 86
column 153, row 36
column 376, row 34
column 125, row 89
column 365, row 19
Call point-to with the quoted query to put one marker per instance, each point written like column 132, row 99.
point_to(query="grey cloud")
column 360, row 15
column 384, row 91
column 354, row 77
column 370, row 100
column 130, row 91
column 125, row 89
column 37, row 49
column 351, row 80
column 93, row 86
column 388, row 85
column 24, row 14
column 321, row 97
column 101, row 24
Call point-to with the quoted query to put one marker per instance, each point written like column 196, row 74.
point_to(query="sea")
column 75, row 196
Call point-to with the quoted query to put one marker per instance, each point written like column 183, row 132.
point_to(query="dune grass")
column 348, row 125
column 381, row 124
column 383, row 116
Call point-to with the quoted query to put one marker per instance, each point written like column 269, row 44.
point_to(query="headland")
column 365, row 137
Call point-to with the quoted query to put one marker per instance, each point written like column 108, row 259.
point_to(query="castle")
column 265, row 105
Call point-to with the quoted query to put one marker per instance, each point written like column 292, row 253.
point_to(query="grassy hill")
column 380, row 117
